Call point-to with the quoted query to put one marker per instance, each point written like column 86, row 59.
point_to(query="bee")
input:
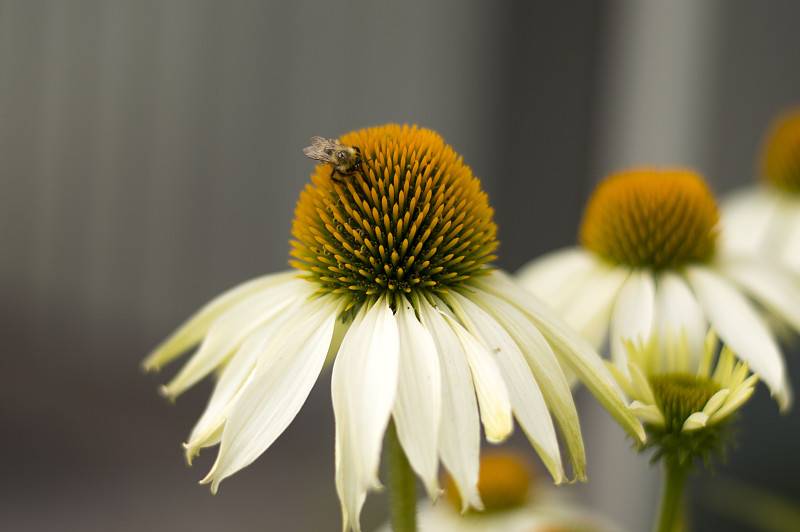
column 346, row 160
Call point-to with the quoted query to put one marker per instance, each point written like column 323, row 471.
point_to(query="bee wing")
column 321, row 149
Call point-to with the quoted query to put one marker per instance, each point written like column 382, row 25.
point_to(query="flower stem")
column 674, row 479
column 403, row 485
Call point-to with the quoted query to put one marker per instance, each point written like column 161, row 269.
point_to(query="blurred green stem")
column 674, row 479
column 403, row 485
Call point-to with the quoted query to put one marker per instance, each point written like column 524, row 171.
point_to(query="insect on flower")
column 346, row 160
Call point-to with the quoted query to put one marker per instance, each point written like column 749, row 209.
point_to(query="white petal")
column 196, row 327
column 364, row 387
column 554, row 276
column 489, row 385
column 418, row 407
column 790, row 222
column 233, row 381
column 746, row 219
column 264, row 343
column 589, row 311
column 277, row 391
column 524, row 393
column 678, row 314
column 459, row 434
column 632, row 317
column 742, row 329
column 546, row 370
column 777, row 289
column 570, row 348
column 232, row 328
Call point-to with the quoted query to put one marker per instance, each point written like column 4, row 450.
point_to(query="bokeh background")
column 150, row 159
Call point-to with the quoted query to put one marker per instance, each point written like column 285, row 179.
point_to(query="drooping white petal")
column 418, row 407
column 589, row 310
column 777, row 289
column 742, row 329
column 572, row 350
column 678, row 313
column 547, row 371
column 490, row 388
column 632, row 316
column 276, row 392
column 555, row 276
column 524, row 393
column 459, row 433
column 197, row 325
column 364, row 387
column 234, row 380
column 233, row 327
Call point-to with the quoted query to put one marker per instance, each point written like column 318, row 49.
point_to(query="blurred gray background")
column 150, row 159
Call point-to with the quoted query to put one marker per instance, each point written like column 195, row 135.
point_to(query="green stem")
column 403, row 485
column 674, row 479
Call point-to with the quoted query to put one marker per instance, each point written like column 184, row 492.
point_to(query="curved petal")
column 490, row 388
column 678, row 313
column 546, row 370
column 554, row 277
column 418, row 407
column 742, row 329
column 696, row 421
column 772, row 286
column 570, row 348
column 364, row 387
column 526, row 398
column 232, row 328
column 632, row 317
column 198, row 324
column 277, row 391
column 459, row 433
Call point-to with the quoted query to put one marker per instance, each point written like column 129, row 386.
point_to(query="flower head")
column 685, row 404
column 650, row 257
column 393, row 258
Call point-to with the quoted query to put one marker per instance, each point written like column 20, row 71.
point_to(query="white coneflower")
column 649, row 258
column 395, row 257
column 765, row 219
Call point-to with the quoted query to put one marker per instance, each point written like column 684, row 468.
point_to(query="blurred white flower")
column 764, row 219
column 515, row 500
column 392, row 261
column 649, row 258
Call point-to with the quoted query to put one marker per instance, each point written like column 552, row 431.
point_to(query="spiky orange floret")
column 781, row 155
column 648, row 218
column 414, row 218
